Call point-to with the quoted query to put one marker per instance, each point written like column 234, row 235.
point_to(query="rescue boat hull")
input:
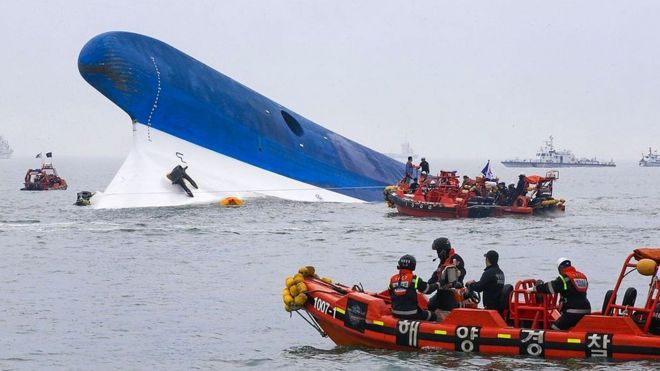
column 412, row 207
column 353, row 318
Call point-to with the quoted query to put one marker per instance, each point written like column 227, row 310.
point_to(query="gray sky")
column 478, row 79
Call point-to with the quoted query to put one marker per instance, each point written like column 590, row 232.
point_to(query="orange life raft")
column 352, row 317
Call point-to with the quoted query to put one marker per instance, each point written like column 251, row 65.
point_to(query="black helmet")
column 441, row 244
column 407, row 262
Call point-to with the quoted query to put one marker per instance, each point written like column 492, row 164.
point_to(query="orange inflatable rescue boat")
column 622, row 331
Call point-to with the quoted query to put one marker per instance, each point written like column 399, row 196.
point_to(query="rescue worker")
column 467, row 182
column 403, row 289
column 572, row 286
column 491, row 281
column 444, row 298
column 521, row 187
column 424, row 166
column 410, row 169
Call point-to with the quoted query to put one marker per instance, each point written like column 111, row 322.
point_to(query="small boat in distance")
column 650, row 159
column 44, row 179
column 406, row 150
column 548, row 156
column 5, row 149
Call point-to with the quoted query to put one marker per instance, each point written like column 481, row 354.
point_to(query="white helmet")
column 563, row 260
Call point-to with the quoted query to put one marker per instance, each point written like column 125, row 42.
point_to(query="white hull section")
column 141, row 181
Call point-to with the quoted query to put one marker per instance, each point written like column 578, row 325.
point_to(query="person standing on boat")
column 521, row 187
column 403, row 290
column 444, row 298
column 572, row 286
column 491, row 281
column 424, row 166
column 410, row 170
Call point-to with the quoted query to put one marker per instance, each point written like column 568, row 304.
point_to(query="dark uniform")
column 490, row 283
column 444, row 298
column 572, row 286
column 521, row 187
column 403, row 292
column 424, row 166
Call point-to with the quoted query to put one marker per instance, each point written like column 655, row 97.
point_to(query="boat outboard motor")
column 83, row 198
column 177, row 176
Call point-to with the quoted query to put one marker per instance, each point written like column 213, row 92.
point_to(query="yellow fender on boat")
column 300, row 300
column 293, row 295
column 231, row 201
column 646, row 267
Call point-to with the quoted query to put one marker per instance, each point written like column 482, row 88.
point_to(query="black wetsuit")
column 424, row 166
column 444, row 298
column 520, row 187
column 490, row 283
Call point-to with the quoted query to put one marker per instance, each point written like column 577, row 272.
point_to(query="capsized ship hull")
column 235, row 141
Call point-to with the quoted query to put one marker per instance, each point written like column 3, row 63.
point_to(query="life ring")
column 520, row 201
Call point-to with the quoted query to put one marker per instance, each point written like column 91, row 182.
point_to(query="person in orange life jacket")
column 444, row 298
column 572, row 286
column 491, row 281
column 403, row 289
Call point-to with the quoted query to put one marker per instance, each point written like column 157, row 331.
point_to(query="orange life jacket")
column 403, row 292
column 450, row 258
column 578, row 279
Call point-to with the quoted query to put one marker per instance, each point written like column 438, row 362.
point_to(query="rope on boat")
column 312, row 322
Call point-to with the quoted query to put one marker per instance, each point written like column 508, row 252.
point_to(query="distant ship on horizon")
column 406, row 150
column 5, row 149
column 548, row 156
column 651, row 159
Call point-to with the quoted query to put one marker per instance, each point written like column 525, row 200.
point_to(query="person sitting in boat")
column 424, row 165
column 572, row 286
column 444, row 297
column 491, row 281
column 467, row 182
column 414, row 185
column 410, row 169
column 423, row 177
column 403, row 289
column 502, row 194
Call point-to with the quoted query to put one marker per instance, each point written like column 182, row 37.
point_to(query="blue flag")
column 488, row 174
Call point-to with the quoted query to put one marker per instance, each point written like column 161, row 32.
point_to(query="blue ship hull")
column 168, row 91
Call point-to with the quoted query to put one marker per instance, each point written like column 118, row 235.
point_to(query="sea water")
column 199, row 287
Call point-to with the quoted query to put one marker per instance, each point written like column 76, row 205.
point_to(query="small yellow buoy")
column 326, row 280
column 300, row 300
column 231, row 201
column 298, row 278
column 290, row 282
column 646, row 267
column 293, row 290
column 288, row 299
column 287, row 308
column 302, row 288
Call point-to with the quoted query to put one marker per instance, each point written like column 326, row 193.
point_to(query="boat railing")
column 643, row 316
column 532, row 309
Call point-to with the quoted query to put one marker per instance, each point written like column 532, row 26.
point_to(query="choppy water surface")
column 199, row 287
